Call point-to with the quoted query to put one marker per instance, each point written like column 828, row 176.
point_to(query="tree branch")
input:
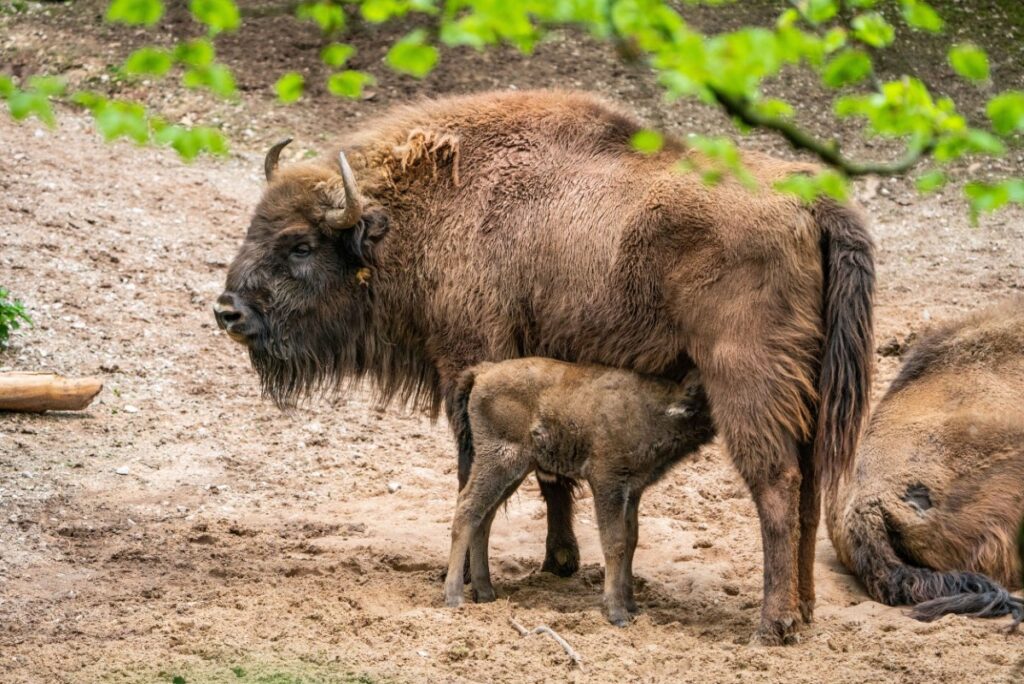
column 828, row 151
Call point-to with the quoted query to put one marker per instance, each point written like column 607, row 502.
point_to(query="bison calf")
column 617, row 430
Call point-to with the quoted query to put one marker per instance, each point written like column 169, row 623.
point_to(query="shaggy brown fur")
column 938, row 492
column 515, row 224
column 615, row 429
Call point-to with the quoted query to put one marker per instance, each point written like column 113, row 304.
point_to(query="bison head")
column 297, row 293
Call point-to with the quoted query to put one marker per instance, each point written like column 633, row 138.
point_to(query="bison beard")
column 307, row 366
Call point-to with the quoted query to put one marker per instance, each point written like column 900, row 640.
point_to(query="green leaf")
column 289, row 87
column 149, row 60
column 196, row 53
column 411, row 55
column 146, row 12
column 328, row 16
column 189, row 143
column 985, row 197
column 6, row 86
column 818, row 11
column 834, row 39
column 219, row 15
column 827, row 182
column 379, row 11
column 336, row 54
column 920, row 15
column 117, row 119
column 23, row 104
column 847, row 67
column 931, row 181
column 349, row 83
column 970, row 61
column 776, row 109
column 799, row 184
column 873, row 29
column 217, row 78
column 49, row 86
column 647, row 141
column 1006, row 112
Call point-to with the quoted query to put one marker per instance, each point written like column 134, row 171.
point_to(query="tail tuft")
column 891, row 580
column 848, row 355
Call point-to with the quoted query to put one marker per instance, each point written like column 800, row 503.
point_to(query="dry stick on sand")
column 544, row 629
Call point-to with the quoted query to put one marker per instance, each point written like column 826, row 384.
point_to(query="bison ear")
column 365, row 235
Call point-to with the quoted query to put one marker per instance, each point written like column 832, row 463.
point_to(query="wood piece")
column 544, row 629
column 38, row 392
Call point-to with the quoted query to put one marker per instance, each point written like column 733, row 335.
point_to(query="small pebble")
column 128, row 408
column 123, row 470
column 394, row 487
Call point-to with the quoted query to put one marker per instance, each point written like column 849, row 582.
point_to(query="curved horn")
column 270, row 162
column 353, row 211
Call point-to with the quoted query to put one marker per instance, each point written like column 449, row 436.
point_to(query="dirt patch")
column 248, row 545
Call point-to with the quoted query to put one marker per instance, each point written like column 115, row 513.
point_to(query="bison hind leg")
column 562, row 551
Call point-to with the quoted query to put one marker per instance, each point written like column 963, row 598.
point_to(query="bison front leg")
column 562, row 552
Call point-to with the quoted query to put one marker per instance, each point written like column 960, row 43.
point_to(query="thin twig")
column 544, row 629
column 826, row 151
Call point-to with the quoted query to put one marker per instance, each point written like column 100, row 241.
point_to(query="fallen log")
column 38, row 392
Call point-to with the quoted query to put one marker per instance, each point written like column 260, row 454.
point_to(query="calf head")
column 298, row 291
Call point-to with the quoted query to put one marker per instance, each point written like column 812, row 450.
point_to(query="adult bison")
column 932, row 512
column 513, row 224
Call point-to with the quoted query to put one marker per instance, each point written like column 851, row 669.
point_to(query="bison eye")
column 301, row 250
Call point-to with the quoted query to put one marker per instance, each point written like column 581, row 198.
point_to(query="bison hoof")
column 484, row 594
column 564, row 561
column 776, row 633
column 807, row 611
column 453, row 600
column 619, row 618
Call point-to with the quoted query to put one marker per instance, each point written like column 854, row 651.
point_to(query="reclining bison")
column 502, row 225
column 934, row 508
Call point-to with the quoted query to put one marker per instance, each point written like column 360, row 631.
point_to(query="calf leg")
column 810, row 514
column 562, row 552
column 611, row 505
column 480, row 569
column 632, row 536
column 480, row 572
column 495, row 473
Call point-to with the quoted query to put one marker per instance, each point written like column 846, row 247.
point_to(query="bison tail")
column 889, row 579
column 844, row 384
column 459, row 417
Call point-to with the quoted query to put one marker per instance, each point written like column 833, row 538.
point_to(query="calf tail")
column 459, row 417
column 889, row 579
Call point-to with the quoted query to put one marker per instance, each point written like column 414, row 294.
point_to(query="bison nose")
column 232, row 315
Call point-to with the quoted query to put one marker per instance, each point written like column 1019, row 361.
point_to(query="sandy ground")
column 184, row 528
